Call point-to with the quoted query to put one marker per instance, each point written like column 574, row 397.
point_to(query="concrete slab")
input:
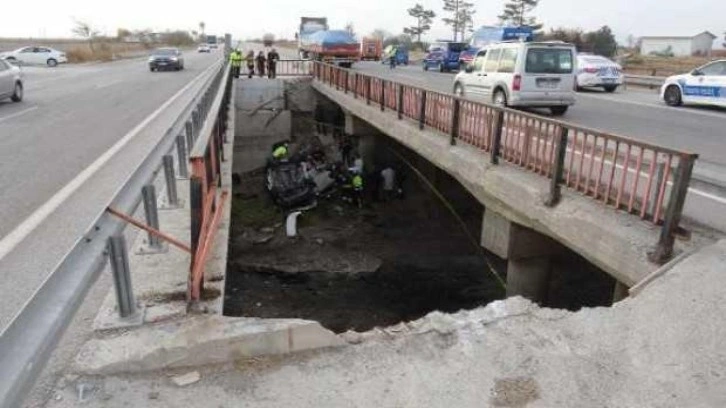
column 200, row 340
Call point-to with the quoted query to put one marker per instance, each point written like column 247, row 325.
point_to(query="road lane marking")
column 657, row 106
column 19, row 233
column 16, row 114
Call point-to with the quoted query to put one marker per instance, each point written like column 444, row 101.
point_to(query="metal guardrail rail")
column 644, row 80
column 640, row 178
column 28, row 341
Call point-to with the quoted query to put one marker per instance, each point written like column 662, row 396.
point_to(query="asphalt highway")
column 56, row 173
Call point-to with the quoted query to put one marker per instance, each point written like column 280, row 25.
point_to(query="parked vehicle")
column 594, row 71
column 487, row 35
column 11, row 81
column 443, row 56
column 705, row 85
column 166, row 58
column 204, row 48
column 535, row 74
column 36, row 56
column 308, row 27
column 401, row 54
column 371, row 49
column 334, row 46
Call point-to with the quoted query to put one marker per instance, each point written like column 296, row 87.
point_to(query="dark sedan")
column 166, row 58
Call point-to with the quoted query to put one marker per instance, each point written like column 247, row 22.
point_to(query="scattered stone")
column 319, row 241
column 154, row 395
column 262, row 240
column 58, row 397
column 267, row 230
column 186, row 379
column 258, row 304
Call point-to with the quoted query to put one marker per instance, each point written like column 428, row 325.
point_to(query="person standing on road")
column 272, row 58
column 389, row 183
column 394, row 58
column 235, row 60
column 261, row 62
column 250, row 64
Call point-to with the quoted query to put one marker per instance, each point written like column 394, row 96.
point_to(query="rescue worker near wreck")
column 235, row 60
column 281, row 152
column 357, row 183
column 272, row 58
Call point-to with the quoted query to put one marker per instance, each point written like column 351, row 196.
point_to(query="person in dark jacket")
column 250, row 64
column 261, row 63
column 272, row 58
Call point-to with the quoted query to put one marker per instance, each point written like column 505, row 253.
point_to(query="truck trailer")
column 308, row 27
column 335, row 46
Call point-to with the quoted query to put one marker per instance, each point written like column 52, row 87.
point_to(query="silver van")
column 522, row 74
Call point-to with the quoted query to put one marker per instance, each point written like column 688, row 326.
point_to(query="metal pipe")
column 171, row 193
column 119, row 259
column 152, row 215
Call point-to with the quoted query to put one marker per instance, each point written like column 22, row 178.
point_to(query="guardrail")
column 643, row 179
column 27, row 342
column 645, row 80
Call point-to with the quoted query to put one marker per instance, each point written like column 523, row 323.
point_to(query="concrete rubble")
column 663, row 347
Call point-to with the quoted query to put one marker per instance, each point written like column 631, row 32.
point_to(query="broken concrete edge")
column 640, row 286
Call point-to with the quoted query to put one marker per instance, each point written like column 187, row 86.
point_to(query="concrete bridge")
column 543, row 183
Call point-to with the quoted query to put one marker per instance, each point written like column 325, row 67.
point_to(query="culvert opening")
column 354, row 268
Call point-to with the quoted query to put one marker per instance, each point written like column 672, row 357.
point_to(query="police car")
column 702, row 86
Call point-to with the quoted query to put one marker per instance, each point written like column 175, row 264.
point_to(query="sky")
column 249, row 19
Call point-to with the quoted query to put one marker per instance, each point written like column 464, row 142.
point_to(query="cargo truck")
column 308, row 27
column 335, row 46
column 371, row 49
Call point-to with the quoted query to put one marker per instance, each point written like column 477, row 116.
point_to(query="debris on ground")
column 186, row 379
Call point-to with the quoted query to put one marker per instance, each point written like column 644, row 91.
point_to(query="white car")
column 522, row 74
column 11, row 81
column 204, row 48
column 702, row 86
column 36, row 56
column 594, row 71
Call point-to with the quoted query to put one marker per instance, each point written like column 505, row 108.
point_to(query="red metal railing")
column 647, row 180
column 206, row 199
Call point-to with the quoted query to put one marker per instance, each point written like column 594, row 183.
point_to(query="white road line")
column 17, row 235
column 16, row 114
column 656, row 106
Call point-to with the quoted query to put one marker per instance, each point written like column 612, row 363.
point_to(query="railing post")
column 355, row 86
column 196, row 205
column 119, row 259
column 497, row 136
column 400, row 102
column 189, row 129
column 345, row 88
column 455, row 115
column 383, row 95
column 152, row 215
column 171, row 192
column 181, row 153
column 679, row 191
column 422, row 111
column 555, row 193
column 368, row 90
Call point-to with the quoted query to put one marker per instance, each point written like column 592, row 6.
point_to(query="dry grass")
column 661, row 66
column 103, row 51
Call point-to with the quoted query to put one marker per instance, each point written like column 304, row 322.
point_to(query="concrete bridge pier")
column 528, row 253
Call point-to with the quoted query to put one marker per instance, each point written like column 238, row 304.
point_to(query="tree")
column 423, row 17
column 202, row 26
column 122, row 34
column 350, row 28
column 573, row 36
column 602, row 42
column 516, row 12
column 85, row 30
column 631, row 41
column 380, row 34
column 462, row 16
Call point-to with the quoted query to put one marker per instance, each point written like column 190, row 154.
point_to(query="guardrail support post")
column 181, row 153
column 346, row 81
column 196, row 204
column 355, row 86
column 189, row 131
column 119, row 259
column 368, row 90
column 682, row 178
column 455, row 115
column 400, row 102
column 171, row 192
column 422, row 111
column 497, row 136
column 557, row 173
column 152, row 214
